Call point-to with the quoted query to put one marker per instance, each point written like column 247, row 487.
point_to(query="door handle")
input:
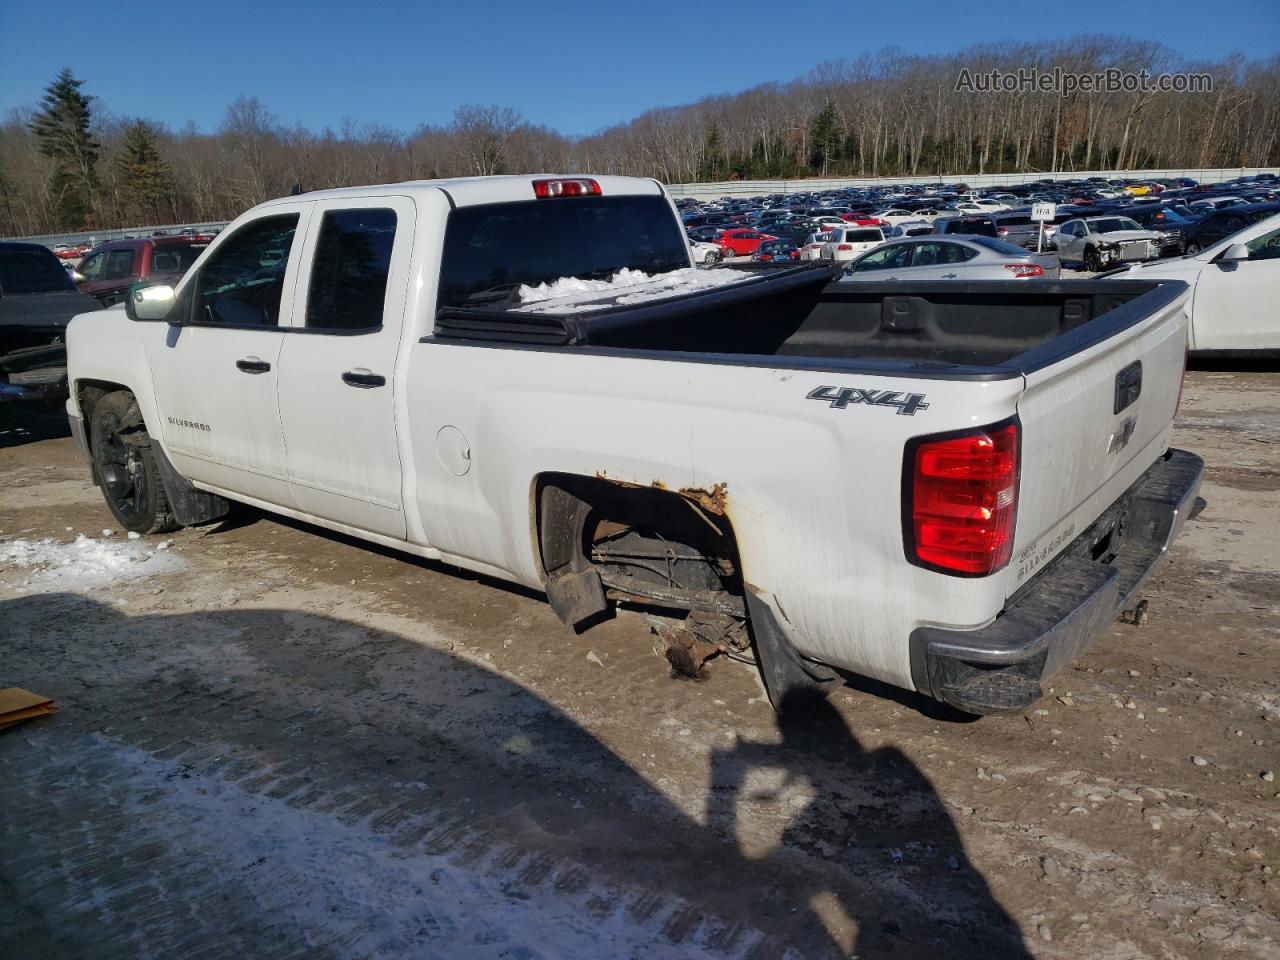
column 365, row 379
column 948, row 276
column 253, row 365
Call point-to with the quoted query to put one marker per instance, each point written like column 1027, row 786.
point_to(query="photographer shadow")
column 887, row 874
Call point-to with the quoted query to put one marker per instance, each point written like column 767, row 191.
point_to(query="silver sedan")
column 952, row 258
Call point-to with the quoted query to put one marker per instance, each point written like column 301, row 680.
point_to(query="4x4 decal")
column 841, row 397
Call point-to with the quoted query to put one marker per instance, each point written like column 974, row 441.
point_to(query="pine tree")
column 62, row 127
column 144, row 176
column 824, row 139
column 712, row 161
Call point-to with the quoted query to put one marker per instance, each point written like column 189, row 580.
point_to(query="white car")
column 1098, row 242
column 896, row 215
column 827, row 222
column 1235, row 286
column 811, row 249
column 990, row 205
column 845, row 243
column 705, row 253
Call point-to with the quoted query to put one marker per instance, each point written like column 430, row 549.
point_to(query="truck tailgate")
column 1096, row 412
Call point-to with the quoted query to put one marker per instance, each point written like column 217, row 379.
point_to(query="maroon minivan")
column 109, row 269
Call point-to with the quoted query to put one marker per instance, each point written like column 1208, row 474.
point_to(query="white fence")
column 712, row 191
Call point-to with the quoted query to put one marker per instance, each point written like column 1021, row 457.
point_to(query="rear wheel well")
column 646, row 544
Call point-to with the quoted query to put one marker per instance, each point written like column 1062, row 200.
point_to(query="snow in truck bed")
column 571, row 295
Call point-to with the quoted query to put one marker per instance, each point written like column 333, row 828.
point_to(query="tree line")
column 68, row 163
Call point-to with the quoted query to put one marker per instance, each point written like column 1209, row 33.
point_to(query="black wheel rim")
column 121, row 469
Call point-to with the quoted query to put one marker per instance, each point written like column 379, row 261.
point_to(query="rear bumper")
column 1054, row 617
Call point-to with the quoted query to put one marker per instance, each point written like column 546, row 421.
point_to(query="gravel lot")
column 277, row 742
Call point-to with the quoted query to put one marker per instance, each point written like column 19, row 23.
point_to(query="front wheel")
column 1092, row 262
column 1193, row 248
column 126, row 467
column 710, row 258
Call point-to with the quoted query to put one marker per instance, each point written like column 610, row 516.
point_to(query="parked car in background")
column 742, row 242
column 1097, row 242
column 955, row 258
column 811, row 249
column 845, row 243
column 705, row 253
column 1220, row 224
column 912, row 228
column 1235, row 289
column 1016, row 226
column 1165, row 221
column 980, row 225
column 705, row 234
column 774, row 251
column 37, row 299
column 109, row 270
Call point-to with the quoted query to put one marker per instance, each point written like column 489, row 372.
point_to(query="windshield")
column 999, row 246
column 1112, row 224
column 32, row 271
column 491, row 250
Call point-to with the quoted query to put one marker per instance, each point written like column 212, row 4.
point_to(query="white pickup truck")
column 951, row 487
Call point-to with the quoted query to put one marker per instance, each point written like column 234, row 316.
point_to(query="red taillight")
column 963, row 500
column 1020, row 270
column 566, row 187
column 1002, row 231
column 844, row 246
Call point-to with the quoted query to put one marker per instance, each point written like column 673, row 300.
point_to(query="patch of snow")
column 624, row 287
column 86, row 561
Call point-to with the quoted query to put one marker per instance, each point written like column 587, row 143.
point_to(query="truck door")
column 215, row 376
column 337, row 367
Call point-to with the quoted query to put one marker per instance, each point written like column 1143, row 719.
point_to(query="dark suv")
column 982, row 226
column 110, row 269
column 1213, row 227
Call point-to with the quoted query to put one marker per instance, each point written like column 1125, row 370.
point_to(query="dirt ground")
column 278, row 742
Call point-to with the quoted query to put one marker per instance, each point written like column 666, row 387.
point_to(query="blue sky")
column 576, row 67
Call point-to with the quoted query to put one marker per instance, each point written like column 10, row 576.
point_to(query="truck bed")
column 798, row 316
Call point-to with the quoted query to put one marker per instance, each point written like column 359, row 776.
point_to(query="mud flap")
column 190, row 506
column 576, row 597
column 791, row 682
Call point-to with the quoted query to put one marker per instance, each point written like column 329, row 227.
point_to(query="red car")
column 863, row 220
column 742, row 242
column 111, row 268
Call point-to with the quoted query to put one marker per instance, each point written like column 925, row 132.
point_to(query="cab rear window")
column 490, row 251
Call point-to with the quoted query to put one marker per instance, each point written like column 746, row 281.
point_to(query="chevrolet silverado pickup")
column 952, row 487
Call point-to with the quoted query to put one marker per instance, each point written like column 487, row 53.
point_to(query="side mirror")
column 150, row 303
column 1237, row 251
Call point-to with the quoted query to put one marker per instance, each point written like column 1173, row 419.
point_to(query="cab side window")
column 886, row 258
column 349, row 275
column 241, row 283
column 119, row 264
column 91, row 266
column 1265, row 247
